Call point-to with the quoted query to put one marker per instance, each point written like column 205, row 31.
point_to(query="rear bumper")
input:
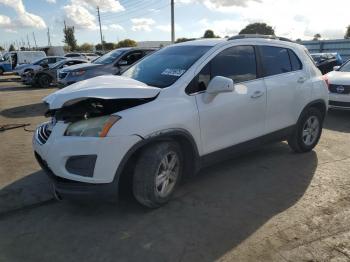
column 78, row 190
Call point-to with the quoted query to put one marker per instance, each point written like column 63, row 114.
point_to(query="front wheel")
column 157, row 173
column 44, row 81
column 307, row 132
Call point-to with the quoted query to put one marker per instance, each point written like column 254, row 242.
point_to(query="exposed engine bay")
column 94, row 107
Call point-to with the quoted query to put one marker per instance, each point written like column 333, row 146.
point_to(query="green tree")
column 347, row 34
column 209, row 34
column 106, row 46
column 258, row 28
column 69, row 38
column 12, row 48
column 1, row 48
column 126, row 43
column 86, row 47
column 317, row 37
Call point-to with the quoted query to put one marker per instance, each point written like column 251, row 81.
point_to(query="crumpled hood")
column 78, row 67
column 104, row 87
column 339, row 78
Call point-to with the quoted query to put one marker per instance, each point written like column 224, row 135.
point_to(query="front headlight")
column 78, row 73
column 93, row 127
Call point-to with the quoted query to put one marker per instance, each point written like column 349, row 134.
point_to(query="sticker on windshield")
column 173, row 72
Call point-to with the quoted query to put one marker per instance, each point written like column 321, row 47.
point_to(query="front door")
column 235, row 117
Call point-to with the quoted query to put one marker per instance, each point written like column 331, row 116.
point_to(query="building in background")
column 341, row 46
column 150, row 44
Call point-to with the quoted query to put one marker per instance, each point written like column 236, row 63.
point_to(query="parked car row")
column 175, row 111
column 327, row 61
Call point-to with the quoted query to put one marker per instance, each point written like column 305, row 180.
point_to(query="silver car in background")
column 112, row 63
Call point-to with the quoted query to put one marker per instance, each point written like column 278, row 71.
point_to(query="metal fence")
column 341, row 46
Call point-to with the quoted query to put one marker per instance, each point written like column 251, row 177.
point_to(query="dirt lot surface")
column 270, row 205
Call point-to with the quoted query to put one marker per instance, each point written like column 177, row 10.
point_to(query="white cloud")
column 79, row 17
column 51, row 1
column 167, row 28
column 290, row 18
column 142, row 24
column 104, row 5
column 23, row 18
column 5, row 21
column 115, row 27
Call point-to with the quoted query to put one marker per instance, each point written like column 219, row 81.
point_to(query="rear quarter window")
column 275, row 60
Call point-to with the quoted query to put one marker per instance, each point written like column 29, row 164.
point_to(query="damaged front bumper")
column 80, row 165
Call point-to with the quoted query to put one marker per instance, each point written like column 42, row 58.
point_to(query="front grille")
column 339, row 104
column 43, row 133
column 339, row 89
column 62, row 75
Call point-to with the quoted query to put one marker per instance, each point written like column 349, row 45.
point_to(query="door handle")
column 257, row 94
column 301, row 80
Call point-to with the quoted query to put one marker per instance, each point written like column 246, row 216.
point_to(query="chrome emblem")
column 340, row 89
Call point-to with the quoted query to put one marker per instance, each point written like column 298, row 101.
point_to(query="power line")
column 133, row 16
column 139, row 8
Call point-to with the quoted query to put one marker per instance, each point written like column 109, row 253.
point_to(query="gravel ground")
column 269, row 205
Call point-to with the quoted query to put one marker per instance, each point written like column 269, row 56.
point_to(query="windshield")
column 57, row 64
column 37, row 62
column 109, row 57
column 166, row 66
column 345, row 67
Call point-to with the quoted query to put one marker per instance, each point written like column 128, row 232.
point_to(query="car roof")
column 224, row 41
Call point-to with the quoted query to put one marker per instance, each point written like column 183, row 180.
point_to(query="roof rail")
column 245, row 36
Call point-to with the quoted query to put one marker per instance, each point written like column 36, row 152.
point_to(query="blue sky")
column 150, row 19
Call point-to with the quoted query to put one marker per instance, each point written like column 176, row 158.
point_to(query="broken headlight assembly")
column 92, row 127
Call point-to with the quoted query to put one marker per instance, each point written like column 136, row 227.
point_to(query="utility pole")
column 35, row 40
column 99, row 21
column 48, row 35
column 28, row 42
column 172, row 22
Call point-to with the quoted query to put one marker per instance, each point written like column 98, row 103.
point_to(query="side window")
column 132, row 57
column 52, row 60
column 44, row 62
column 295, row 61
column 275, row 60
column 237, row 63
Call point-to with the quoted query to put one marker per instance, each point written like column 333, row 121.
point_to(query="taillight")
column 325, row 78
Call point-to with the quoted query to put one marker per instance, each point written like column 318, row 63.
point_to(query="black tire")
column 148, row 171
column 299, row 141
column 1, row 71
column 44, row 81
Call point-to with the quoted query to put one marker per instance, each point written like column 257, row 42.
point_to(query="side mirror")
column 336, row 68
column 122, row 63
column 220, row 84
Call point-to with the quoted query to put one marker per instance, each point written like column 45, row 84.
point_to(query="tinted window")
column 345, row 67
column 237, row 63
column 72, row 55
column 275, row 60
column 132, row 57
column 166, row 66
column 295, row 61
column 109, row 58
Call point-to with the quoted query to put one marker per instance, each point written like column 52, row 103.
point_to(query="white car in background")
column 339, row 87
column 85, row 56
column 38, row 64
column 177, row 110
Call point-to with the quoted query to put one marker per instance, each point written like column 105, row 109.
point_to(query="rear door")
column 284, row 78
column 234, row 117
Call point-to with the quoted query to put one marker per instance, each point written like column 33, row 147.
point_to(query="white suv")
column 178, row 110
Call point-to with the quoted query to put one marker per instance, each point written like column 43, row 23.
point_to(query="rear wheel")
column 307, row 132
column 44, row 81
column 157, row 173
